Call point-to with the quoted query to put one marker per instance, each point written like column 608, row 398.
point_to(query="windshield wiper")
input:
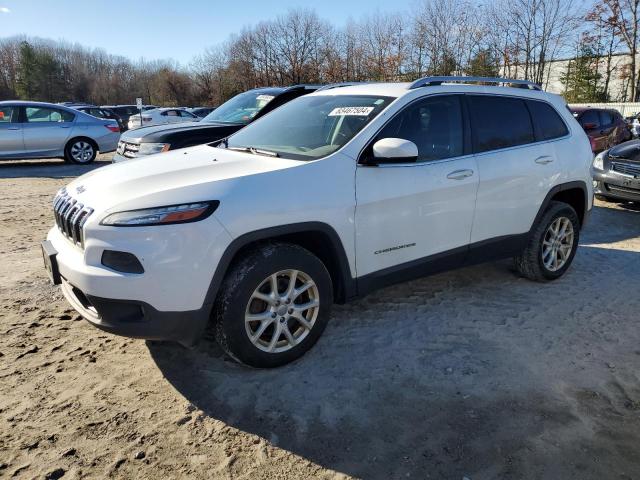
column 255, row 151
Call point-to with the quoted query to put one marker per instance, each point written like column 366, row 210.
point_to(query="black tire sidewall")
column 69, row 158
column 235, row 339
column 558, row 210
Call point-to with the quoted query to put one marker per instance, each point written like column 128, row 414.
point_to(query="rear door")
column 11, row 133
column 46, row 130
column 516, row 173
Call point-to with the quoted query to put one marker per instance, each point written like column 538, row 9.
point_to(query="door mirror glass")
column 395, row 150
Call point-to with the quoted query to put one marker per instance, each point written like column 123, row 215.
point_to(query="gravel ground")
column 474, row 373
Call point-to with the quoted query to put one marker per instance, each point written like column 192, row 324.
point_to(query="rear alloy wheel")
column 273, row 305
column 552, row 244
column 80, row 152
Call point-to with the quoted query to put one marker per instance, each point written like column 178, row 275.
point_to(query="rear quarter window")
column 499, row 122
column 547, row 123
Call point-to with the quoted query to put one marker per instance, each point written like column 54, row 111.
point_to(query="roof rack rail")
column 432, row 81
column 330, row 86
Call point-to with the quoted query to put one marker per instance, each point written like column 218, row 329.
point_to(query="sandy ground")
column 474, row 373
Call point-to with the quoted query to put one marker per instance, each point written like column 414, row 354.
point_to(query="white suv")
column 324, row 199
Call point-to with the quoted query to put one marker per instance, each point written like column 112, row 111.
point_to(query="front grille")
column 617, row 188
column 128, row 149
column 70, row 216
column 632, row 169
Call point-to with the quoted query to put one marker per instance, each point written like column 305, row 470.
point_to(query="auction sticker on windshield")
column 266, row 98
column 359, row 111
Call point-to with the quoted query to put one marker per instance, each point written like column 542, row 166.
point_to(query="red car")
column 604, row 127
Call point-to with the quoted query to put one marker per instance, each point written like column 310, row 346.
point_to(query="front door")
column 11, row 141
column 409, row 211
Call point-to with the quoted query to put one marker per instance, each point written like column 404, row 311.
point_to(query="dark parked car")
column 616, row 172
column 228, row 118
column 201, row 111
column 123, row 111
column 604, row 127
column 102, row 112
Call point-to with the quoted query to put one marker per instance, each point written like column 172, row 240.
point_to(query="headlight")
column 151, row 148
column 188, row 212
column 598, row 162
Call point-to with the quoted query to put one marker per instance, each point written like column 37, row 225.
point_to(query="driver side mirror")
column 394, row 150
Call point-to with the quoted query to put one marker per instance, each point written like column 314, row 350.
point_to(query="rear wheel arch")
column 572, row 193
column 318, row 238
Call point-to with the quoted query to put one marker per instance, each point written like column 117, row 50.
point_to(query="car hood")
column 628, row 150
column 181, row 176
column 139, row 134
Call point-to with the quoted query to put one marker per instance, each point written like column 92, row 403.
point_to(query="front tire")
column 552, row 245
column 273, row 306
column 80, row 151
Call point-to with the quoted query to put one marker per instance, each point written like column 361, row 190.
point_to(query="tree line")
column 513, row 38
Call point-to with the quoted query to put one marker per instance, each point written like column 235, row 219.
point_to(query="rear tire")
column 552, row 245
column 260, row 318
column 80, row 151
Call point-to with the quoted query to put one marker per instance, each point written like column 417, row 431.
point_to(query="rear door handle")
column 14, row 128
column 459, row 174
column 544, row 159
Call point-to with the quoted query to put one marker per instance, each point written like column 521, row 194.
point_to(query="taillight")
column 113, row 128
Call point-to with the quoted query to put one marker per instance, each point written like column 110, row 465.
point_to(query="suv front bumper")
column 166, row 302
column 614, row 185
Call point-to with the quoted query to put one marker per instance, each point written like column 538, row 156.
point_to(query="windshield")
column 240, row 109
column 309, row 128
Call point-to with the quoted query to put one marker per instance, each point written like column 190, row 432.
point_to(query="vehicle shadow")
column 474, row 373
column 52, row 168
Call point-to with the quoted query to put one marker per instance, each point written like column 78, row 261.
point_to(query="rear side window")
column 499, row 122
column 434, row 124
column 605, row 118
column 590, row 119
column 45, row 114
column 548, row 124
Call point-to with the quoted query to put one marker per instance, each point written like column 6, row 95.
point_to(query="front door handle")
column 14, row 128
column 460, row 174
column 544, row 159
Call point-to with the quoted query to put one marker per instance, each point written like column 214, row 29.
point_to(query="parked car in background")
column 161, row 116
column 228, row 118
column 327, row 198
column 616, row 172
column 201, row 111
column 604, row 127
column 124, row 111
column 101, row 112
column 46, row 130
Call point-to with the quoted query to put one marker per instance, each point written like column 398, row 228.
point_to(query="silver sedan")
column 45, row 130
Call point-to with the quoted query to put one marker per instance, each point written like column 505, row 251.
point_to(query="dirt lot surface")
column 474, row 373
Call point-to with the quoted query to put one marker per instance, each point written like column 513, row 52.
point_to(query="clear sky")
column 160, row 29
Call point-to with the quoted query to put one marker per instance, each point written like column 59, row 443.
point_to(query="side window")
column 184, row 113
column 548, row 124
column 44, row 114
column 6, row 114
column 172, row 113
column 433, row 124
column 590, row 119
column 499, row 122
column 606, row 118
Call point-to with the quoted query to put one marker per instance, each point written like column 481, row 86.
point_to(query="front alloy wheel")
column 282, row 311
column 273, row 305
